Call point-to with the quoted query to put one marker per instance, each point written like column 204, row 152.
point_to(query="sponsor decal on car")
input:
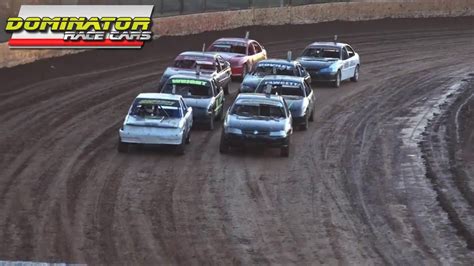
column 80, row 26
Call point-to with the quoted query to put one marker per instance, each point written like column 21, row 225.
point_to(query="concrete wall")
column 352, row 11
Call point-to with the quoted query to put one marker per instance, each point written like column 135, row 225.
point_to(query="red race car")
column 241, row 53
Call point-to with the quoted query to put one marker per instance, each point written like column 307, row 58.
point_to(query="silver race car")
column 156, row 119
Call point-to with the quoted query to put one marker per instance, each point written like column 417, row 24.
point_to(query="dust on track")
column 346, row 195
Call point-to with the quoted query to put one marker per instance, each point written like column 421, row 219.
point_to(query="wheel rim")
column 357, row 73
column 338, row 81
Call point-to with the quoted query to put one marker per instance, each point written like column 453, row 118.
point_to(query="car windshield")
column 191, row 64
column 281, row 88
column 229, row 47
column 323, row 52
column 188, row 88
column 258, row 110
column 156, row 108
column 275, row 69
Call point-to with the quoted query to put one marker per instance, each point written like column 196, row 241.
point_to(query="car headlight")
column 280, row 133
column 233, row 130
column 327, row 70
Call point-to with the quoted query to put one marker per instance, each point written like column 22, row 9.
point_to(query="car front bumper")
column 322, row 76
column 162, row 137
column 235, row 140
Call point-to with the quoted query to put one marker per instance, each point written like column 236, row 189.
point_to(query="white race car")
column 156, row 119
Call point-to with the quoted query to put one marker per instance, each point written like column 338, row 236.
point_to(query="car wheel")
column 355, row 78
column 223, row 146
column 245, row 70
column 180, row 147
column 210, row 126
column 226, row 89
column 311, row 117
column 188, row 138
column 122, row 147
column 305, row 126
column 285, row 151
column 337, row 82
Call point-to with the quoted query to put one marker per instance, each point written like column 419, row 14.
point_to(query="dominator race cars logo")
column 80, row 26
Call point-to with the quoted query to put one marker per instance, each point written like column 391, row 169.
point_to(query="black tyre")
column 285, row 151
column 311, row 117
column 337, row 82
column 210, row 124
column 355, row 78
column 123, row 147
column 226, row 89
column 180, row 147
column 188, row 138
column 305, row 126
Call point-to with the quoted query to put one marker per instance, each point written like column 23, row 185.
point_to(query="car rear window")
column 229, row 47
column 282, row 88
column 265, row 69
column 156, row 108
column 188, row 88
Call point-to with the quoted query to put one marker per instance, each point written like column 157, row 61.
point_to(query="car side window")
column 350, row 51
column 307, row 88
column 218, row 65
column 222, row 62
column 345, row 55
column 217, row 89
column 258, row 48
column 251, row 49
column 184, row 107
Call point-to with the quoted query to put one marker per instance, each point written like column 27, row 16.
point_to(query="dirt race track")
column 375, row 180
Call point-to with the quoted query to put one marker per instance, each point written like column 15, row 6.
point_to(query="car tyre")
column 180, row 147
column 223, row 146
column 226, row 89
column 210, row 125
column 305, row 126
column 285, row 151
column 188, row 138
column 337, row 82
column 311, row 117
column 123, row 147
column 355, row 78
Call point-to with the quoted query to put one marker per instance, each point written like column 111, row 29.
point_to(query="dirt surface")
column 356, row 189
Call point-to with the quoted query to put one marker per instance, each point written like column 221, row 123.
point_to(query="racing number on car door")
column 349, row 63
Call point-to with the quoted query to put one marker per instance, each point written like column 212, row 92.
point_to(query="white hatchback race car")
column 157, row 119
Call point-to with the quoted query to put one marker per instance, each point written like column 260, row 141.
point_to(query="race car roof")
column 333, row 44
column 294, row 79
column 259, row 96
column 277, row 62
column 159, row 96
column 241, row 40
column 200, row 55
column 192, row 76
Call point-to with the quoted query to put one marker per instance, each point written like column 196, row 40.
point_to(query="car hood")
column 198, row 102
column 316, row 63
column 252, row 81
column 170, row 71
column 147, row 122
column 246, row 123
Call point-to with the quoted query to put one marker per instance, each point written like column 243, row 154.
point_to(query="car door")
column 260, row 53
column 346, row 66
column 303, row 73
column 225, row 73
column 188, row 117
column 310, row 96
column 354, row 59
column 219, row 97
